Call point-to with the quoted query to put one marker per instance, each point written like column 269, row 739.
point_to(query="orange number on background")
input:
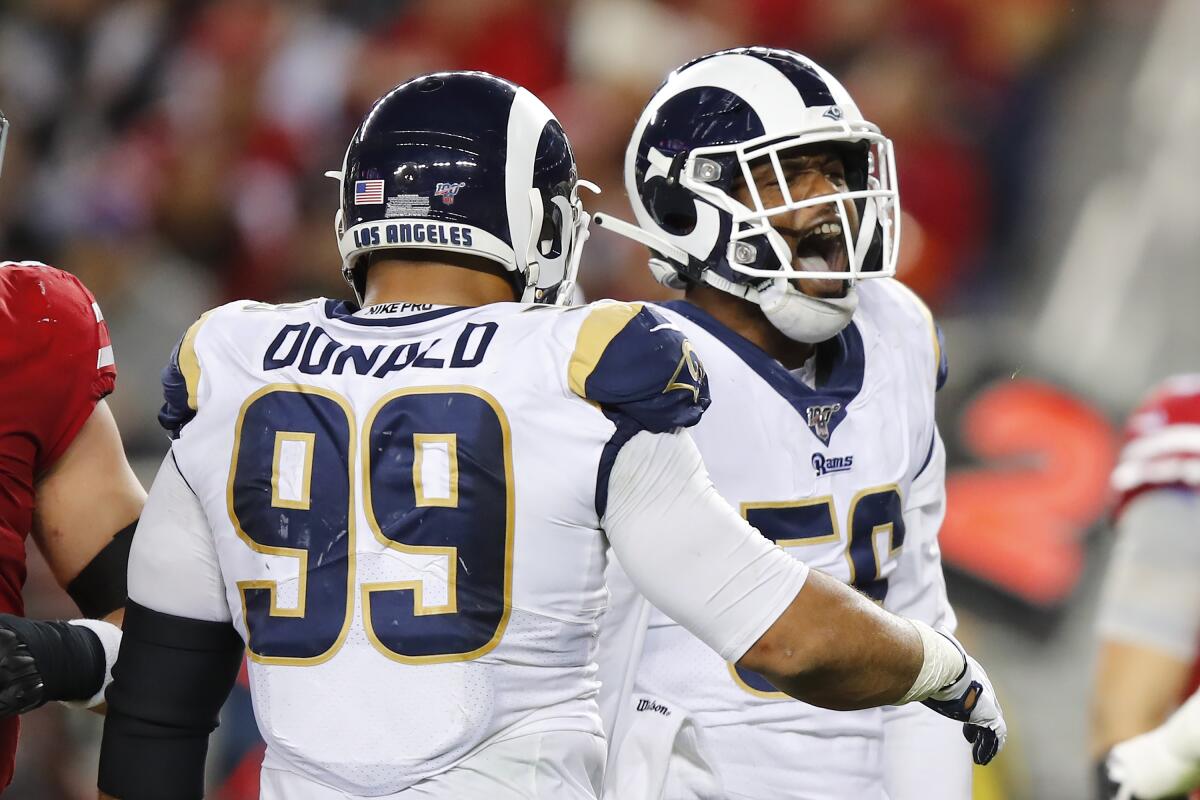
column 1017, row 522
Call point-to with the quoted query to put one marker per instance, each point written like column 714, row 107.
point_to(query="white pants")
column 664, row 755
column 925, row 755
column 544, row 766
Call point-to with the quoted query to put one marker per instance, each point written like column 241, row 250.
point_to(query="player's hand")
column 21, row 687
column 972, row 701
column 1109, row 788
column 1147, row 767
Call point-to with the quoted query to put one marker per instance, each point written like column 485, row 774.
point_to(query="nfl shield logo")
column 447, row 191
column 818, row 418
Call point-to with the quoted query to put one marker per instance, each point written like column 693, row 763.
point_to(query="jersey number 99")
column 436, row 483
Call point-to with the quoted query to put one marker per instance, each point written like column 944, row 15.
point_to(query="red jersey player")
column 64, row 479
column 1149, row 620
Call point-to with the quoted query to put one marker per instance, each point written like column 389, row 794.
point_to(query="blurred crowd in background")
column 171, row 154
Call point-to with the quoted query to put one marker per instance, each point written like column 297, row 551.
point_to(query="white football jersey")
column 405, row 505
column 846, row 476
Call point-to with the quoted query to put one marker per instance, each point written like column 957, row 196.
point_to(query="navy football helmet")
column 469, row 163
column 704, row 129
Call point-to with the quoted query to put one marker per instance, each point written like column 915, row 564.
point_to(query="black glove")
column 21, row 687
column 42, row 661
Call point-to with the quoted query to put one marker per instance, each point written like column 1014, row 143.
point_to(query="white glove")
column 970, row 699
column 1164, row 762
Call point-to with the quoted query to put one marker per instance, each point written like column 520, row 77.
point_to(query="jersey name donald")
column 406, row 508
column 829, row 474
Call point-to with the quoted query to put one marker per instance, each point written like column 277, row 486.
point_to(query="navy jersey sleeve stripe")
column 181, row 382
column 625, row 431
column 175, row 412
column 641, row 372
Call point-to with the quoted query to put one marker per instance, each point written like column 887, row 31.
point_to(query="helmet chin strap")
column 797, row 316
column 803, row 318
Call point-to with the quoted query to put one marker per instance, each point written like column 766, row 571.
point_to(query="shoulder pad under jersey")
column 911, row 307
column 181, row 375
column 638, row 368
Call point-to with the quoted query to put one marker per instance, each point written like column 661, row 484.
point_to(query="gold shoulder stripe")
column 925, row 312
column 603, row 323
column 189, row 363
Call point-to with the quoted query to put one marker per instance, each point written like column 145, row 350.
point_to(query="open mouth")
column 822, row 248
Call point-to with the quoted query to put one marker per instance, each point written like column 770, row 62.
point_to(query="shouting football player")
column 400, row 507
column 764, row 193
column 64, row 479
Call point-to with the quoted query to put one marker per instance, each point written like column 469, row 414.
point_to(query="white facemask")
column 803, row 318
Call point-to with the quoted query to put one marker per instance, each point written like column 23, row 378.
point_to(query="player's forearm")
column 1136, row 686
column 836, row 649
column 86, row 508
column 47, row 660
column 743, row 596
column 832, row 647
column 171, row 678
column 1149, row 617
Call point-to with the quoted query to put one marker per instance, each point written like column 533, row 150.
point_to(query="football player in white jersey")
column 400, row 507
column 762, row 191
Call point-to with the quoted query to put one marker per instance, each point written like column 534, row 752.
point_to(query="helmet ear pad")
column 673, row 207
column 670, row 205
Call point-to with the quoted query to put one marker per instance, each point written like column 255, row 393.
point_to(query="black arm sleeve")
column 99, row 589
column 169, row 683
